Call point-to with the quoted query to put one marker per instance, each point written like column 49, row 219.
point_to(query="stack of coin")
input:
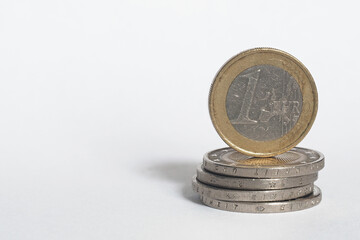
column 262, row 103
column 232, row 181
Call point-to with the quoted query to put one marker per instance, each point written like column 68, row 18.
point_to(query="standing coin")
column 263, row 102
column 253, row 183
column 251, row 195
column 297, row 204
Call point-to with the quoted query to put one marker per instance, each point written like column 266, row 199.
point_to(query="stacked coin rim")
column 281, row 190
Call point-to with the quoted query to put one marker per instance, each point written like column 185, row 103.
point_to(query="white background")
column 104, row 116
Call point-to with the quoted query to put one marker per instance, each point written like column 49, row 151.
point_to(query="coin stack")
column 262, row 103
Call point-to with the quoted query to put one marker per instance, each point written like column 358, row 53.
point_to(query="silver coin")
column 253, row 183
column 297, row 204
column 251, row 195
column 264, row 102
column 296, row 162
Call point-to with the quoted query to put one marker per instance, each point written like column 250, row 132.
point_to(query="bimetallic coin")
column 297, row 204
column 253, row 183
column 263, row 102
column 296, row 162
column 251, row 195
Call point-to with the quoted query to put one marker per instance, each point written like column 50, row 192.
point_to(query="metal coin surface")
column 296, row 162
column 297, row 204
column 253, row 183
column 251, row 195
column 263, row 102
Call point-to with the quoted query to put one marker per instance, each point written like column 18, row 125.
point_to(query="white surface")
column 104, row 115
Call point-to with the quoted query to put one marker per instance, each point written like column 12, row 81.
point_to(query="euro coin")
column 296, row 162
column 297, row 204
column 263, row 102
column 251, row 195
column 230, row 182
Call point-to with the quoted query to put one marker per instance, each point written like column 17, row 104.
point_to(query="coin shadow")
column 178, row 172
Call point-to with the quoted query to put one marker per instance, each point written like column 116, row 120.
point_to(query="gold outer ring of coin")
column 230, row 70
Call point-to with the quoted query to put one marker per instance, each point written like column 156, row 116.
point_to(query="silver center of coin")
column 264, row 102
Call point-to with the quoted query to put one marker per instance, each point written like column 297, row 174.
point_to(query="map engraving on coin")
column 264, row 102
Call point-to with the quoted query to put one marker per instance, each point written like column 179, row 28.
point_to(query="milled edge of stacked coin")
column 297, row 204
column 251, row 195
column 313, row 163
column 231, row 182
